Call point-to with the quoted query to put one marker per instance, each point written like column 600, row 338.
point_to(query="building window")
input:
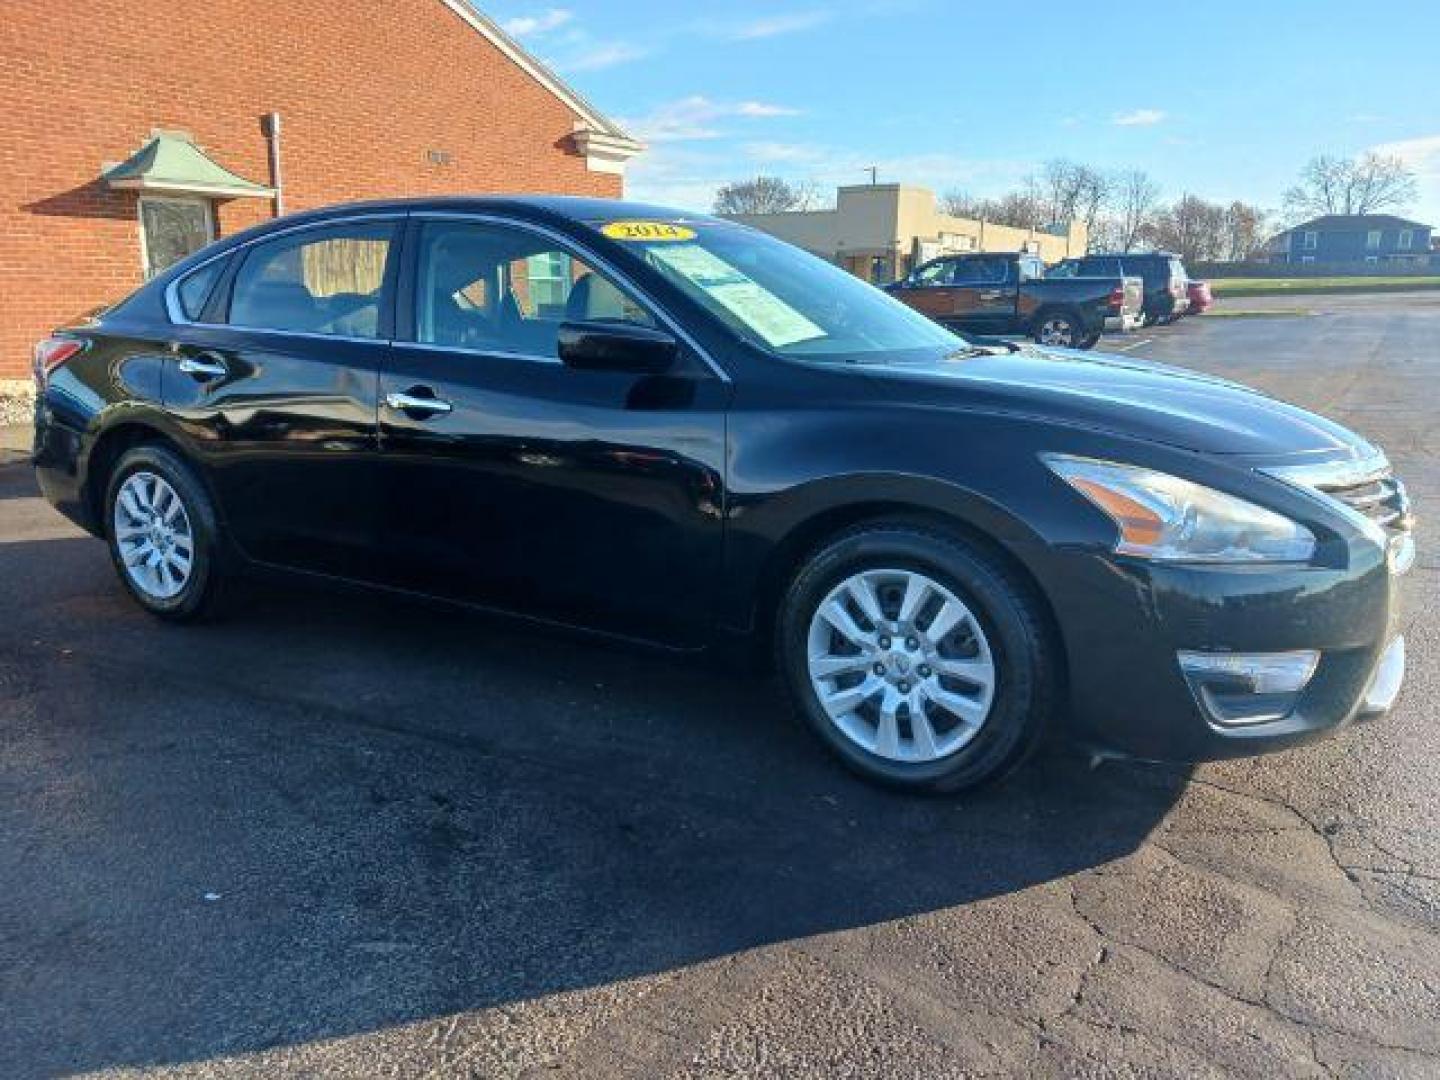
column 1372, row 240
column 1371, row 260
column 171, row 229
column 1307, row 258
column 549, row 276
column 1311, row 241
column 1407, row 239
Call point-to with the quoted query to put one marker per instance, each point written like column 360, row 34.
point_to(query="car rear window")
column 195, row 288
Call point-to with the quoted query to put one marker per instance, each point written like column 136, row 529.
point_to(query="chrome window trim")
column 172, row 287
column 581, row 251
column 471, row 350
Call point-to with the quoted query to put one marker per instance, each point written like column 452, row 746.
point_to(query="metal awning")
column 168, row 163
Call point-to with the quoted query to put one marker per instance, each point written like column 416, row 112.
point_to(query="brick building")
column 134, row 132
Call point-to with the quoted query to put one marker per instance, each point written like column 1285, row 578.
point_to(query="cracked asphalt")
column 345, row 836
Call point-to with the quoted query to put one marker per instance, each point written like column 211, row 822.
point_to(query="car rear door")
column 594, row 498
column 274, row 385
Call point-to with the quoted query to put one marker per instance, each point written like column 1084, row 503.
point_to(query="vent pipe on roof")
column 272, row 138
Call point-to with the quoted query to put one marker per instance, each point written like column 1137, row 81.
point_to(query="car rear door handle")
column 414, row 403
column 991, row 294
column 206, row 366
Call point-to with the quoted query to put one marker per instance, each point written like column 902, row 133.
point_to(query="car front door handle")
column 414, row 403
column 206, row 366
column 990, row 294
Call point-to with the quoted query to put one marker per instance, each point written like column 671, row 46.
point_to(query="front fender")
column 796, row 479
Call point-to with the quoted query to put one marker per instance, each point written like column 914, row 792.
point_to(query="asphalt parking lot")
column 334, row 834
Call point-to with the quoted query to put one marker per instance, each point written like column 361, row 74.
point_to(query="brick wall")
column 365, row 90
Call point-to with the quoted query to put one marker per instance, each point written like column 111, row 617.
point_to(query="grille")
column 1366, row 487
column 1381, row 498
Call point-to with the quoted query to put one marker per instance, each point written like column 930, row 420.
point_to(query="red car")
column 1201, row 298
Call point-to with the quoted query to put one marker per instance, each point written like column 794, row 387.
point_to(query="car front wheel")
column 921, row 660
column 161, row 528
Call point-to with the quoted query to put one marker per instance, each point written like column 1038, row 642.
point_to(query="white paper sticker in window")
column 757, row 307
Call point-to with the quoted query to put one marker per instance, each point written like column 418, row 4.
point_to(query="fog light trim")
column 1243, row 689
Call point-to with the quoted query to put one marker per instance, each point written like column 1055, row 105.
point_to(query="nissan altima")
column 674, row 429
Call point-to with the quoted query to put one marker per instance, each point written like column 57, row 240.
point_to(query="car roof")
column 537, row 208
column 576, row 207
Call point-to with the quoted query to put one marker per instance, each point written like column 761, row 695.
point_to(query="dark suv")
column 669, row 427
column 1167, row 294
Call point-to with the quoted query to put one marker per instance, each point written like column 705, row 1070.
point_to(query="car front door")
column 985, row 292
column 274, row 383
column 593, row 498
column 928, row 290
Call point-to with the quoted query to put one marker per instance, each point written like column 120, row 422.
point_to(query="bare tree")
column 1136, row 196
column 1244, row 230
column 1331, row 185
column 763, row 195
column 962, row 204
column 1192, row 228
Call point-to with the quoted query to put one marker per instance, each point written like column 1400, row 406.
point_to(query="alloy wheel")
column 901, row 665
column 153, row 535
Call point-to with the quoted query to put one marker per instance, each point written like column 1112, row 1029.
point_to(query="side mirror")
column 616, row 346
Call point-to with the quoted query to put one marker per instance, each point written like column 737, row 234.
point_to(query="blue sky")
column 970, row 95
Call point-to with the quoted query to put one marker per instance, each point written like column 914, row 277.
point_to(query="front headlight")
column 1164, row 517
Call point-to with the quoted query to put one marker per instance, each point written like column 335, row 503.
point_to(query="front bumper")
column 1125, row 322
column 1125, row 623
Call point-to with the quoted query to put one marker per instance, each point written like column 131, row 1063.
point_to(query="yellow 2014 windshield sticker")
column 647, row 231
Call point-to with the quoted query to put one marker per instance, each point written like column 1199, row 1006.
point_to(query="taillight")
column 50, row 354
column 1117, row 298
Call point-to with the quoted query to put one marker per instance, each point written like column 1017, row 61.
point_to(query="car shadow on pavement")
column 329, row 815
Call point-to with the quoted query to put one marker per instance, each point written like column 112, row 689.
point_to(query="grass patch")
column 1303, row 286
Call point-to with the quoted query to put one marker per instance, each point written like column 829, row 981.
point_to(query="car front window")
column 779, row 298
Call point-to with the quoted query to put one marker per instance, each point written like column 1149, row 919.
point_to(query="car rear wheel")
column 920, row 660
column 1058, row 329
column 161, row 528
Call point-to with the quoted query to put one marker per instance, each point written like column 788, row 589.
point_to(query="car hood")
column 1128, row 397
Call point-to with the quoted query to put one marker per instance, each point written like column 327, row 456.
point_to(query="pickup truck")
column 1008, row 293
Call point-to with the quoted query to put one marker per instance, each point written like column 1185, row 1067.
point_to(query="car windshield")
column 781, row 299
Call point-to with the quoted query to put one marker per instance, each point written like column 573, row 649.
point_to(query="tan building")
column 880, row 232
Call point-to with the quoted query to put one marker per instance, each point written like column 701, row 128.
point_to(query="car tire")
column 163, row 534
column 1053, row 326
column 882, row 738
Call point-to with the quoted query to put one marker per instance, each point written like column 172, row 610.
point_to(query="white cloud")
column 769, row 26
column 696, row 117
column 541, row 23
column 1422, row 155
column 764, row 108
column 784, row 153
column 1138, row 118
column 688, row 175
column 601, row 54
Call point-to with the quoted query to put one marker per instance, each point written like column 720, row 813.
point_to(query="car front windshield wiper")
column 972, row 349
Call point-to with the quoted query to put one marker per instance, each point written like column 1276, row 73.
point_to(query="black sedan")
column 671, row 428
